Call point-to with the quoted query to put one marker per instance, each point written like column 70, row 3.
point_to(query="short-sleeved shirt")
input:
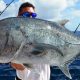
column 39, row 72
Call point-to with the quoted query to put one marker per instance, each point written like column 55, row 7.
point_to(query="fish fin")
column 63, row 22
column 65, row 70
column 41, row 47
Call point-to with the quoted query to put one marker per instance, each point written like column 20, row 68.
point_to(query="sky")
column 54, row 10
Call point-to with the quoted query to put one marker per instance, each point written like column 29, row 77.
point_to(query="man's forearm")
column 18, row 66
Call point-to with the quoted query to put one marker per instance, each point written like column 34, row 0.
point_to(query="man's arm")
column 18, row 66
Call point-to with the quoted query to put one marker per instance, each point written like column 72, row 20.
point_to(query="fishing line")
column 7, row 7
column 76, row 28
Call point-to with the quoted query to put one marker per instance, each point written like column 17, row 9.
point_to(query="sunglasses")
column 27, row 14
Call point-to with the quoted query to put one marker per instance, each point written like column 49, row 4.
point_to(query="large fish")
column 25, row 40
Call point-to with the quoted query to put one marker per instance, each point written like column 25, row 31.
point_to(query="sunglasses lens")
column 33, row 15
column 26, row 14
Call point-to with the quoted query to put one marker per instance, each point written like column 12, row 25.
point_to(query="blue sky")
column 53, row 11
column 8, row 1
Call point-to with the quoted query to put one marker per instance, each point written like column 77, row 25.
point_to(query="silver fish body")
column 25, row 40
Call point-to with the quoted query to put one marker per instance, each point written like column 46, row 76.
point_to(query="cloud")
column 12, row 10
column 2, row 5
column 76, row 13
column 55, row 4
column 53, row 10
column 46, row 9
column 72, row 2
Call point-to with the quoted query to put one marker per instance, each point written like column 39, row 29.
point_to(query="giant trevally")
column 25, row 40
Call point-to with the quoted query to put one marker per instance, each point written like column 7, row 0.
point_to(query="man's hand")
column 18, row 66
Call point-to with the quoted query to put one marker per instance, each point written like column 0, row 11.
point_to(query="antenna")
column 6, row 7
column 77, row 28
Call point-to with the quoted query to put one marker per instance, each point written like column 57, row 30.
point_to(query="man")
column 40, row 71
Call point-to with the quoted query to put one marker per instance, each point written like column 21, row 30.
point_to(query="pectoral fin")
column 65, row 70
column 41, row 47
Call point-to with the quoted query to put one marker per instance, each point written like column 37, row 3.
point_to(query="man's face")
column 27, row 9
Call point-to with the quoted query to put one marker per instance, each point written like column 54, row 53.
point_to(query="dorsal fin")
column 63, row 22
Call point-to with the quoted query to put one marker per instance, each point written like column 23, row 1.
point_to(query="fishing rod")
column 77, row 28
column 7, row 7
